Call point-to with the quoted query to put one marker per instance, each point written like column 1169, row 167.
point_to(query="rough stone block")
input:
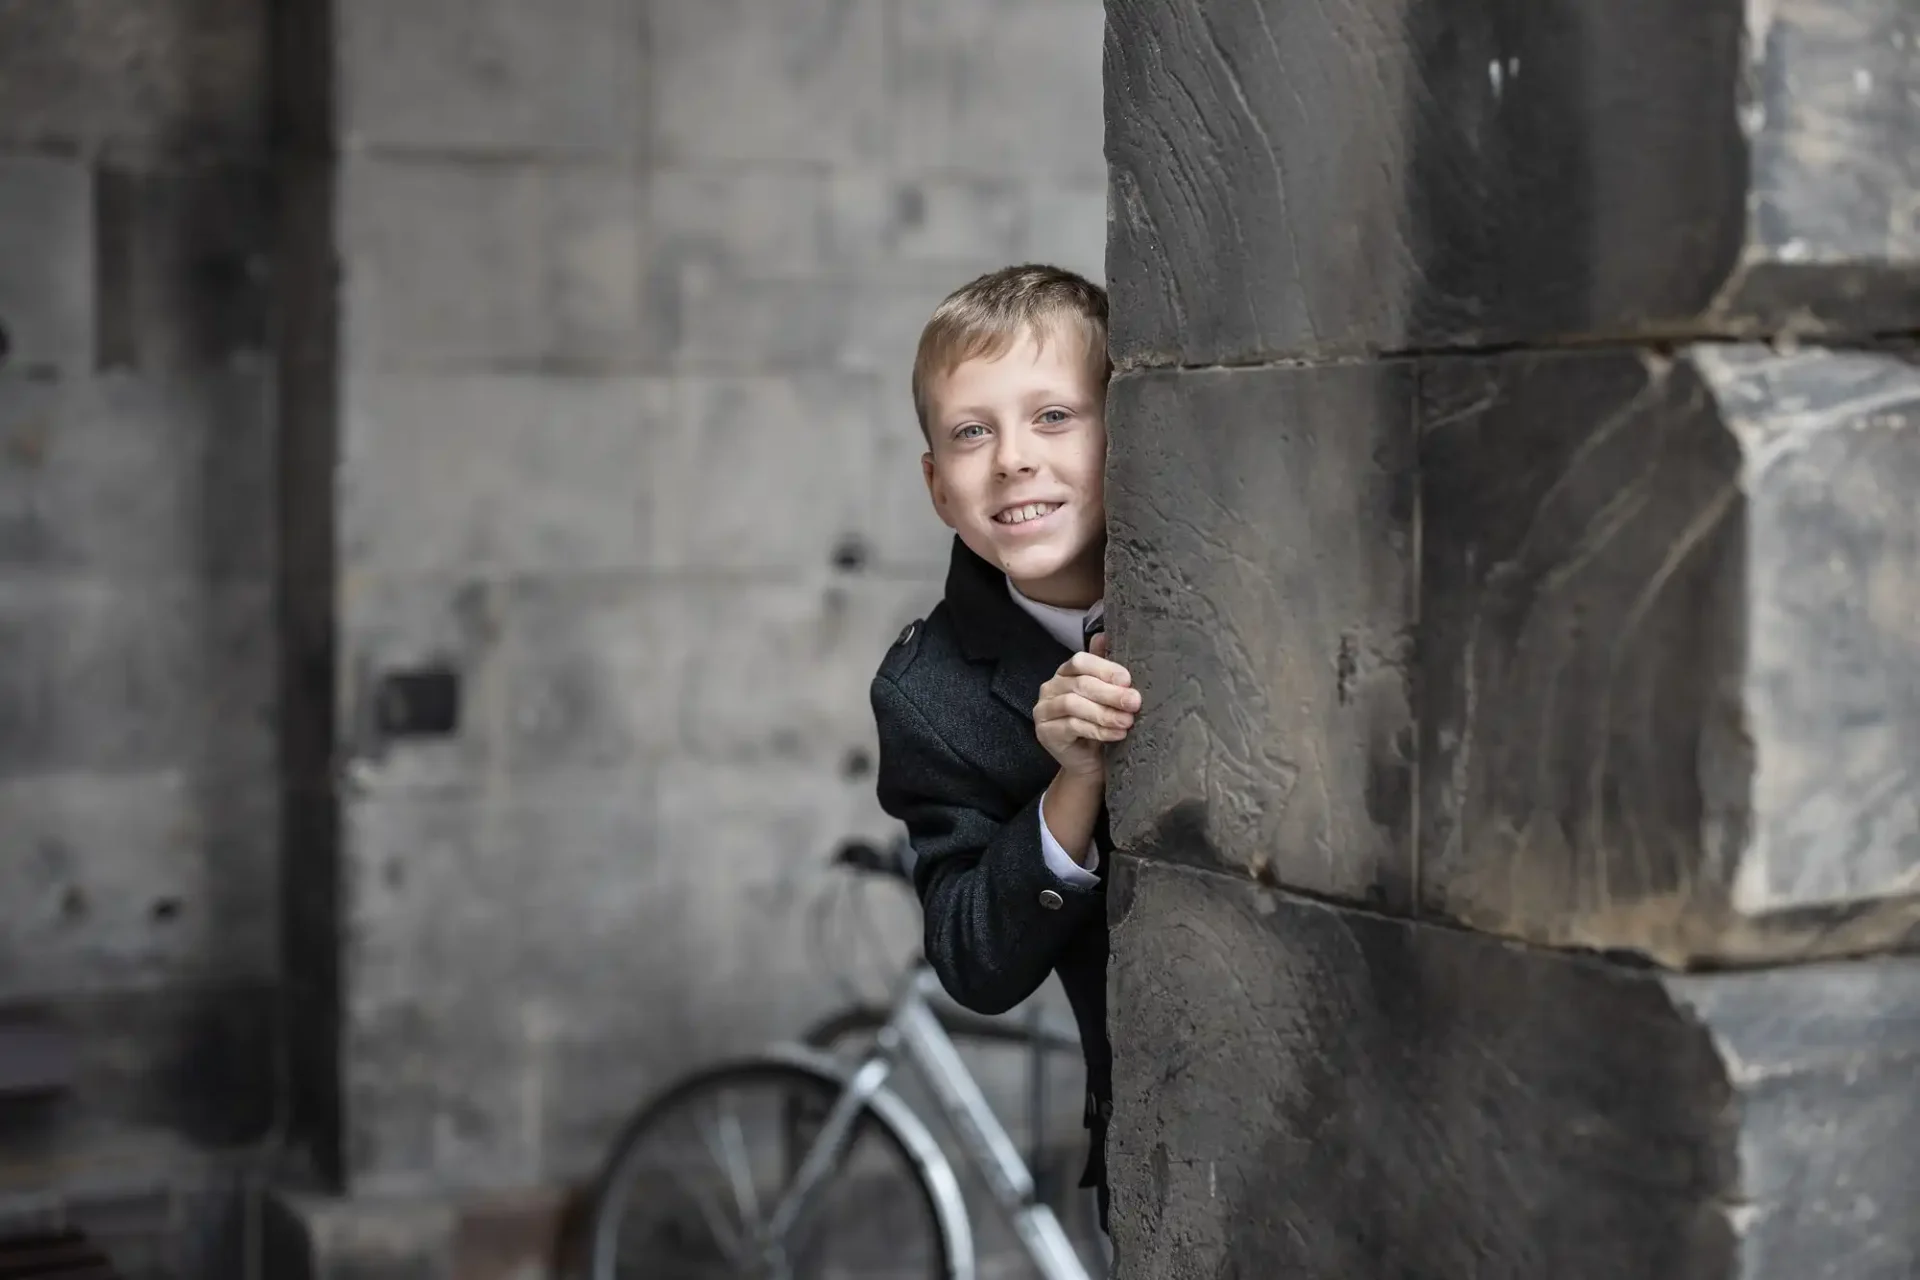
column 182, row 265
column 119, row 882
column 1306, row 1090
column 998, row 87
column 1304, row 180
column 780, row 673
column 867, row 321
column 182, row 74
column 770, row 473
column 747, row 221
column 163, row 1078
column 773, row 80
column 1672, row 688
column 401, row 623
column 491, row 473
column 974, row 225
column 137, row 478
column 704, row 220
column 593, row 673
column 46, row 264
column 456, row 263
column 515, row 1236
column 1261, row 555
column 495, row 76
column 132, row 679
column 311, row 1237
column 498, row 925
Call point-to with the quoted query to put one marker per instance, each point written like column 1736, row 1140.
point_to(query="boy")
column 993, row 713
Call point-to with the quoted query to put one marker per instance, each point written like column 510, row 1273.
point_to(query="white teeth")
column 1032, row 511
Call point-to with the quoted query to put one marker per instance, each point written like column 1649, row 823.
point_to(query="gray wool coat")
column 960, row 766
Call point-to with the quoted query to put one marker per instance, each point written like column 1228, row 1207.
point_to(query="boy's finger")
column 1096, row 732
column 1099, row 645
column 1078, row 706
column 1088, row 664
column 1106, row 693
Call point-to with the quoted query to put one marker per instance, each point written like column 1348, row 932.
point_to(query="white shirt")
column 1069, row 627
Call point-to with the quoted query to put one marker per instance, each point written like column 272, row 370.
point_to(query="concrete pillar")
column 1514, row 536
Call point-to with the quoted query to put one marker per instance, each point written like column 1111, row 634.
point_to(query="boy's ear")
column 935, row 490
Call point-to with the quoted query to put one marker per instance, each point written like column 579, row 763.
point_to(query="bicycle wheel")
column 695, row 1179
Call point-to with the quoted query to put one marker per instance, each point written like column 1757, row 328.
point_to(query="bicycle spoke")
column 732, row 1155
column 729, row 1240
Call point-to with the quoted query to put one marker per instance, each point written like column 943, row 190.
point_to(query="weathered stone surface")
column 487, row 473
column 480, row 926
column 735, row 493
column 1668, row 618
column 1306, row 1090
column 746, row 651
column 867, row 322
column 390, row 623
column 139, row 881
column 1315, row 179
column 182, row 264
column 459, row 263
column 517, row 1236
column 133, row 478
column 770, row 80
column 313, row 1237
column 494, row 76
column 163, row 1077
column 185, row 74
column 995, row 87
column 46, row 263
column 1261, row 562
column 594, row 673
column 128, row 679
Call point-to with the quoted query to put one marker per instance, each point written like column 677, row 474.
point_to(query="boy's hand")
column 1088, row 703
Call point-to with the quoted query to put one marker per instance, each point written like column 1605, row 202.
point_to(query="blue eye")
column 1054, row 417
column 964, row 433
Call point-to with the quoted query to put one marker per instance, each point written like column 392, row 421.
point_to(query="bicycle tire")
column 894, row 1125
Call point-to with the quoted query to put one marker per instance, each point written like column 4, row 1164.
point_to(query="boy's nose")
column 1014, row 455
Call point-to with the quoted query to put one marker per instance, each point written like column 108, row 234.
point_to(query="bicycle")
column 825, row 1173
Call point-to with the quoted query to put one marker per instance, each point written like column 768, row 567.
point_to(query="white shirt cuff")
column 1063, row 864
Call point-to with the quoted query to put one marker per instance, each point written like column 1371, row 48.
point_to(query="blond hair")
column 984, row 317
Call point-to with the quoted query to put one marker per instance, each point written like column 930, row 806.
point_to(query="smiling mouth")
column 1027, row 512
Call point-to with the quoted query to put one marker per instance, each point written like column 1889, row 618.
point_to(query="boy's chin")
column 1045, row 562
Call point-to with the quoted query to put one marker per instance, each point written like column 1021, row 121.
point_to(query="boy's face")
column 1016, row 464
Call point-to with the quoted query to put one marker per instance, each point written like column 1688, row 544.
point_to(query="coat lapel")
column 992, row 628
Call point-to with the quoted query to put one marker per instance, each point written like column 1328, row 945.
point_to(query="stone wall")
column 137, row 792
column 627, row 297
column 590, row 329
column 1514, row 542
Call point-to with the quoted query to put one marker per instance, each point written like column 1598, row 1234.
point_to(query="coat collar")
column 992, row 628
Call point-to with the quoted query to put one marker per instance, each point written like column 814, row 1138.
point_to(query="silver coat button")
column 1051, row 899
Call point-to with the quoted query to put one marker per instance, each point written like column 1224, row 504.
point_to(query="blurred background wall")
column 550, row 356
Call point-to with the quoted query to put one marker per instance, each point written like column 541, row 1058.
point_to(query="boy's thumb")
column 1099, row 646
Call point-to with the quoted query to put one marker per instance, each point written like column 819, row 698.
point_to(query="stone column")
column 465, row 429
column 1515, row 492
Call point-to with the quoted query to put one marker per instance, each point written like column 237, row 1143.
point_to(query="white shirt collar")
column 1068, row 626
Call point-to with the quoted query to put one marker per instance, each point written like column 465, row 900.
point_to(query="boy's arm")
column 997, row 916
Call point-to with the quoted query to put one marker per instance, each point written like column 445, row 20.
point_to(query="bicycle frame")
column 913, row 1035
